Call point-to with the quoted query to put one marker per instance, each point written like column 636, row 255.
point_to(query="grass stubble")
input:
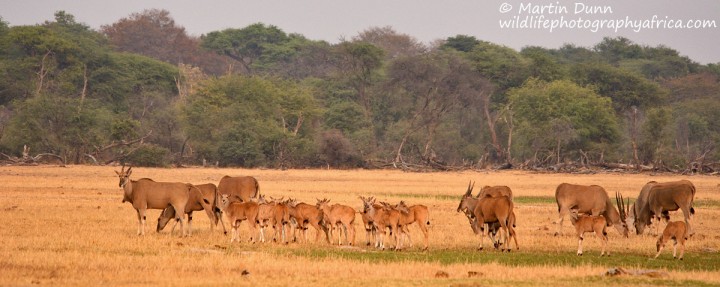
column 67, row 226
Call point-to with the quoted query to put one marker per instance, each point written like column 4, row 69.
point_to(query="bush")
column 149, row 155
column 337, row 150
column 240, row 148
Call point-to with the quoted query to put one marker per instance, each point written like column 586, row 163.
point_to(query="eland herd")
column 491, row 212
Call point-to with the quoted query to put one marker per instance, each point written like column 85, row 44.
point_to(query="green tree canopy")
column 554, row 115
column 249, row 121
column 246, row 45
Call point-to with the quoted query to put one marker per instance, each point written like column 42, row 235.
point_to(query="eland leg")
column 563, row 212
column 140, row 215
column 580, row 240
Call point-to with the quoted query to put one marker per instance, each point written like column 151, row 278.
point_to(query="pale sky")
column 425, row 20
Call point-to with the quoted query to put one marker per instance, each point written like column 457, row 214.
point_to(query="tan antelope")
column 206, row 199
column 370, row 229
column 383, row 218
column 305, row 214
column 495, row 191
column 338, row 216
column 414, row 214
column 677, row 231
column 657, row 199
column 492, row 209
column 592, row 200
column 467, row 206
column 273, row 213
column 236, row 212
column 589, row 223
column 241, row 188
column 146, row 194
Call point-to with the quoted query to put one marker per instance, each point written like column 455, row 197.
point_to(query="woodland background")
column 142, row 91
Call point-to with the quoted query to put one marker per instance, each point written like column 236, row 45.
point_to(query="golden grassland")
column 67, row 226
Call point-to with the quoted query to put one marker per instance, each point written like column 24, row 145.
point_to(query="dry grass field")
column 67, row 226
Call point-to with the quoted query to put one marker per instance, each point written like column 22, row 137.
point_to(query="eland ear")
column 117, row 172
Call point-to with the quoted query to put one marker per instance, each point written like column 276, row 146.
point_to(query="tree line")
column 143, row 91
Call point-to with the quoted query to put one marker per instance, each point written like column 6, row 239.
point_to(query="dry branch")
column 26, row 159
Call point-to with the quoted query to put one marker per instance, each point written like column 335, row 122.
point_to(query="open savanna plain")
column 67, row 226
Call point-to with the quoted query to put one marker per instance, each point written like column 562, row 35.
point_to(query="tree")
column 153, row 33
column 616, row 49
column 394, row 44
column 626, row 89
column 301, row 58
column 359, row 64
column 431, row 86
column 656, row 142
column 543, row 65
column 505, row 67
column 462, row 43
column 571, row 54
column 263, row 121
column 247, row 45
column 555, row 115
column 68, row 90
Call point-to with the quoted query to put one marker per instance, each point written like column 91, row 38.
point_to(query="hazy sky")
column 651, row 22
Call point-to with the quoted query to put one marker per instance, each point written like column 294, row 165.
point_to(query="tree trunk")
column 491, row 126
column 558, row 151
column 633, row 137
column 83, row 93
column 509, row 121
column 42, row 73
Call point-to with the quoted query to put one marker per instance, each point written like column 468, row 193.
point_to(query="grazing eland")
column 677, row 231
column 206, row 199
column 495, row 209
column 657, row 199
column 468, row 204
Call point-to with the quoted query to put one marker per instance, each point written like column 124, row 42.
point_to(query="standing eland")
column 239, row 187
column 146, row 193
column 591, row 200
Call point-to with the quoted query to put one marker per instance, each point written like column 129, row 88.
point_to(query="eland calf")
column 412, row 214
column 305, row 214
column 339, row 216
column 383, row 218
column 370, row 229
column 677, row 231
column 236, row 212
column 589, row 223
